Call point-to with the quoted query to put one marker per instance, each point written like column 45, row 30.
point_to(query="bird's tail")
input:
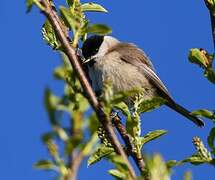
column 185, row 113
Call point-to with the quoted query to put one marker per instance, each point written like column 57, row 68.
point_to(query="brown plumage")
column 128, row 67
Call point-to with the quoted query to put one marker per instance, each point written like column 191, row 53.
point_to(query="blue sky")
column 166, row 30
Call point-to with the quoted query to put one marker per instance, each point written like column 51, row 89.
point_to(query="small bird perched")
column 127, row 67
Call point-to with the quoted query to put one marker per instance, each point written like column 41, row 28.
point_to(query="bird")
column 127, row 67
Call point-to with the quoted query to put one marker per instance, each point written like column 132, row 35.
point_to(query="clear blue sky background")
column 166, row 30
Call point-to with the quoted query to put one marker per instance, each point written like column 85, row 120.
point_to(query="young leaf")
column 92, row 7
column 151, row 136
column 204, row 113
column 69, row 2
column 196, row 56
column 44, row 164
column 49, row 35
column 70, row 19
column 51, row 103
column 124, row 108
column 100, row 29
column 29, row 4
column 151, row 104
column 211, row 140
column 170, row 164
column 90, row 144
column 201, row 149
column 195, row 159
column 117, row 174
column 100, row 153
column 157, row 168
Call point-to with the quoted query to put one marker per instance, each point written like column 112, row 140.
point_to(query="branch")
column 212, row 17
column 75, row 164
column 70, row 52
column 128, row 141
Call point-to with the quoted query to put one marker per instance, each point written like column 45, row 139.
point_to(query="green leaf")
column 92, row 7
column 90, row 144
column 62, row 134
column 204, row 113
column 197, row 57
column 69, row 2
column 119, row 162
column 157, row 168
column 121, row 96
column 211, row 140
column 188, row 175
column 170, row 164
column 100, row 153
column 29, row 4
column 49, row 35
column 124, row 108
column 51, row 103
column 148, row 105
column 44, row 164
column 100, row 29
column 117, row 174
column 151, row 136
column 195, row 159
column 71, row 21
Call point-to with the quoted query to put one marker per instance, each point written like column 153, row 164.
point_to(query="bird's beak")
column 89, row 59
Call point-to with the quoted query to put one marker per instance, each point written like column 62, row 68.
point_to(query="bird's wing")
column 127, row 49
column 142, row 62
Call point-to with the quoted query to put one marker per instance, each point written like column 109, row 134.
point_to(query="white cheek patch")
column 107, row 43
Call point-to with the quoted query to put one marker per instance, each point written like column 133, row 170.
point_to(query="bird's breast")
column 122, row 75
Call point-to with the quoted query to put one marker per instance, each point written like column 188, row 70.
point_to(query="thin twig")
column 129, row 144
column 77, row 158
column 212, row 17
column 70, row 52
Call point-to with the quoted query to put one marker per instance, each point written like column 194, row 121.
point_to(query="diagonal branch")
column 129, row 144
column 70, row 52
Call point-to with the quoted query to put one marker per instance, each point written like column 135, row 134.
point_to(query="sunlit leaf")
column 117, row 174
column 49, row 35
column 45, row 164
column 197, row 57
column 157, row 168
column 93, row 7
column 100, row 153
column 121, row 96
column 148, row 105
column 151, row 136
column 201, row 149
column 204, row 113
column 195, row 159
column 124, row 108
column 62, row 134
column 51, row 103
column 100, row 29
column 90, row 145
column 70, row 19
column 171, row 163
